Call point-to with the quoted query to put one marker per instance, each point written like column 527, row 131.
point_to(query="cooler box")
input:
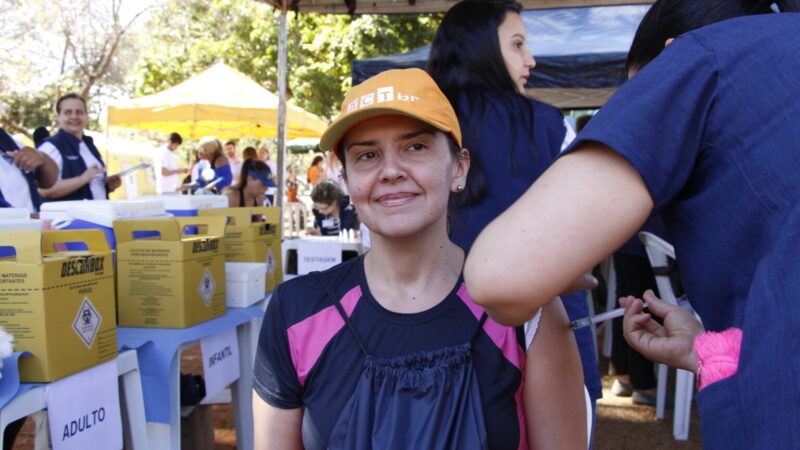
column 167, row 278
column 14, row 213
column 58, row 305
column 188, row 205
column 244, row 283
column 253, row 235
column 99, row 214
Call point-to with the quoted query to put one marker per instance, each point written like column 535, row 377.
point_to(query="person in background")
column 704, row 132
column 82, row 170
column 316, row 172
column 233, row 160
column 263, row 155
column 249, row 152
column 334, row 171
column 387, row 350
column 209, row 149
column 39, row 135
column 252, row 186
column 332, row 210
column 22, row 171
column 170, row 179
column 480, row 59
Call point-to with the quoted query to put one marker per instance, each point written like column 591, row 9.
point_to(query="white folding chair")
column 659, row 252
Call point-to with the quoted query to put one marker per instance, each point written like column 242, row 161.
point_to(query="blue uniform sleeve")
column 657, row 120
column 226, row 174
column 274, row 378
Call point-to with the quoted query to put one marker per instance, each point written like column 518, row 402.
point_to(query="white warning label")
column 87, row 322
column 207, row 287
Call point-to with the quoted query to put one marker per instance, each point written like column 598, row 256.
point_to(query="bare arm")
column 554, row 400
column 67, row 186
column 580, row 210
column 276, row 428
column 30, row 160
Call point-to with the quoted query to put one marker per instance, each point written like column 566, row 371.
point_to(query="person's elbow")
column 498, row 293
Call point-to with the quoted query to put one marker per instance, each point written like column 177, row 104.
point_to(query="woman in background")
column 316, row 172
column 252, row 185
column 210, row 149
column 332, row 210
column 82, row 170
column 481, row 61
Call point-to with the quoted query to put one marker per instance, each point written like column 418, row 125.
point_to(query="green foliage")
column 191, row 35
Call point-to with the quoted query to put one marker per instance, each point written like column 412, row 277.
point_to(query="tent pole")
column 282, row 69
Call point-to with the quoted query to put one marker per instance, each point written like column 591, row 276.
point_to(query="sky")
column 563, row 31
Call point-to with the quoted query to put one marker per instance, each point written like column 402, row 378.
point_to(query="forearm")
column 554, row 394
column 63, row 187
column 580, row 210
column 47, row 173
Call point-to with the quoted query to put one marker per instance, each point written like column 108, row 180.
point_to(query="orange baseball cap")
column 408, row 92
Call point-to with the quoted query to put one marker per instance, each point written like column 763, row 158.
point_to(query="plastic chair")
column 659, row 252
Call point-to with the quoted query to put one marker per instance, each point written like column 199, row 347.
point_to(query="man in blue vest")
column 22, row 171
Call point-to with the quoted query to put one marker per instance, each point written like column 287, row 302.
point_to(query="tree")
column 191, row 35
column 61, row 46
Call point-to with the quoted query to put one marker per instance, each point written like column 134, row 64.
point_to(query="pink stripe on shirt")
column 308, row 338
column 505, row 338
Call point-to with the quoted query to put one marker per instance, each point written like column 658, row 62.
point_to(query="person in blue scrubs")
column 480, row 60
column 703, row 133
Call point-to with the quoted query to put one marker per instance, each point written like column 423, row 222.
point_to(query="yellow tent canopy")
column 221, row 102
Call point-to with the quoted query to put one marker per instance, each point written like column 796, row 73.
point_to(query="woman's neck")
column 412, row 274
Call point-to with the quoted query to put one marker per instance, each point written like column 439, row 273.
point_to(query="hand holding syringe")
column 619, row 312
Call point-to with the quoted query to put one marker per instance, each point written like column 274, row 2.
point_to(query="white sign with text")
column 320, row 256
column 220, row 361
column 83, row 410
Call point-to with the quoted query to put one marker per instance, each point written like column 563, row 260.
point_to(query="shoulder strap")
column 335, row 301
column 481, row 321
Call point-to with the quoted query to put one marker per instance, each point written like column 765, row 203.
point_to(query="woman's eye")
column 366, row 156
column 416, row 147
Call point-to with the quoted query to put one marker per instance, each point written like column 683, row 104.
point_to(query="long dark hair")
column 467, row 64
column 670, row 18
column 249, row 166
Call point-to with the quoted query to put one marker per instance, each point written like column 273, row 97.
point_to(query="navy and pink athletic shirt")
column 307, row 358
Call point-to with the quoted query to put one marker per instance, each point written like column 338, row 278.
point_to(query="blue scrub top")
column 516, row 140
column 711, row 125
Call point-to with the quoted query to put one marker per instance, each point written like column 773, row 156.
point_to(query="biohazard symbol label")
column 207, row 287
column 87, row 322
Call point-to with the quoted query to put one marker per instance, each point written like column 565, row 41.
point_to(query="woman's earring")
column 459, row 188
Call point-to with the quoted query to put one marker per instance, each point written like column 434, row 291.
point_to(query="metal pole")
column 282, row 38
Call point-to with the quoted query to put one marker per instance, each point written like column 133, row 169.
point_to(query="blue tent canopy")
column 580, row 53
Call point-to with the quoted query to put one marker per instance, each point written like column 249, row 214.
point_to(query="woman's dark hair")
column 467, row 64
column 39, row 135
column 249, row 166
column 670, row 18
column 249, row 153
column 317, row 159
column 327, row 192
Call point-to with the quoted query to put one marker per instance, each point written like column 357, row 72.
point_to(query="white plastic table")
column 131, row 405
column 168, row 435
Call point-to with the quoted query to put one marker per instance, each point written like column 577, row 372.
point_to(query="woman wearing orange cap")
column 388, row 350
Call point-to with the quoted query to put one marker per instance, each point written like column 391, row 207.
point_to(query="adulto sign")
column 83, row 410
